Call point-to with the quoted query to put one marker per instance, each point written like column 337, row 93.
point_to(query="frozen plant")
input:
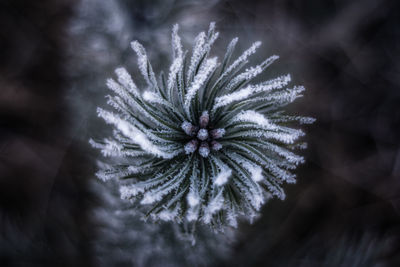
column 202, row 143
column 124, row 239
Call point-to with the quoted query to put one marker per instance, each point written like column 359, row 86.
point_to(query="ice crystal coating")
column 202, row 134
column 203, row 144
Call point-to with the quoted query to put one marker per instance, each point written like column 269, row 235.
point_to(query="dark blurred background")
column 56, row 55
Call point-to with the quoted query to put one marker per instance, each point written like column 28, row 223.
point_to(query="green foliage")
column 203, row 144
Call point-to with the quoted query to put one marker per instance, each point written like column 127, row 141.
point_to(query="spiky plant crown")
column 202, row 144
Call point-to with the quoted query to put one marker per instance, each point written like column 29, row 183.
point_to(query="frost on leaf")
column 206, row 144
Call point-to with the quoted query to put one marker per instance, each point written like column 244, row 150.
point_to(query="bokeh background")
column 54, row 59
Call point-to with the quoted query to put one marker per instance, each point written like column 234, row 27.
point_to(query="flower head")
column 203, row 144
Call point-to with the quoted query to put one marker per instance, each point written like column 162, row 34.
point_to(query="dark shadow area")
column 43, row 182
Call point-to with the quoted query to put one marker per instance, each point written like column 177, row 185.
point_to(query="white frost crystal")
column 203, row 144
column 202, row 134
column 204, row 149
column 222, row 177
column 191, row 146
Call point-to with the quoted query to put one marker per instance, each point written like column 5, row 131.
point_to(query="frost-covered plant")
column 202, row 144
column 124, row 239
